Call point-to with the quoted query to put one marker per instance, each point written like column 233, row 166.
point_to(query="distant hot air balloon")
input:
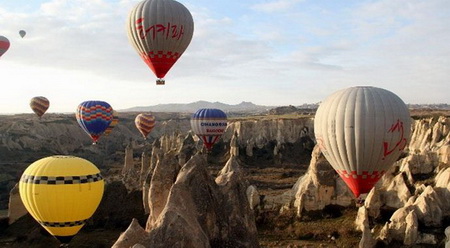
column 4, row 45
column 39, row 105
column 362, row 131
column 145, row 123
column 61, row 193
column 113, row 123
column 209, row 125
column 94, row 117
column 160, row 31
column 22, row 33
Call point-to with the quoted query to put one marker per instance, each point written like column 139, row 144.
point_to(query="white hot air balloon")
column 362, row 131
column 160, row 31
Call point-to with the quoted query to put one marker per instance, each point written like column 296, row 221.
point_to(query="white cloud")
column 302, row 55
column 274, row 6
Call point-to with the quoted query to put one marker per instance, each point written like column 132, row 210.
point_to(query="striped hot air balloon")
column 4, row 45
column 145, row 123
column 209, row 125
column 160, row 31
column 94, row 117
column 113, row 123
column 39, row 105
column 362, row 131
column 61, row 193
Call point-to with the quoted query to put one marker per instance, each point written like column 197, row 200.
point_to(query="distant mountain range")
column 194, row 106
column 246, row 107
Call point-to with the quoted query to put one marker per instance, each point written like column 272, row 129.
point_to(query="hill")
column 194, row 106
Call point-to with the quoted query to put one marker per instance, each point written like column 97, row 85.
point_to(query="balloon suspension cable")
column 160, row 81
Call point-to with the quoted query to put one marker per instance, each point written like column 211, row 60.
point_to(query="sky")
column 268, row 52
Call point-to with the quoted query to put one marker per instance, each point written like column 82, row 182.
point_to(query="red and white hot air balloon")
column 362, row 131
column 4, row 45
column 160, row 31
column 209, row 125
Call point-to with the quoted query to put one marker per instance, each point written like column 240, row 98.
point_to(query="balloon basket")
column 160, row 81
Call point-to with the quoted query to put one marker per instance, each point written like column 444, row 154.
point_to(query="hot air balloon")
column 209, row 125
column 362, row 131
column 113, row 123
column 160, row 31
column 4, row 45
column 61, row 193
column 94, row 117
column 145, row 123
column 22, row 33
column 39, row 105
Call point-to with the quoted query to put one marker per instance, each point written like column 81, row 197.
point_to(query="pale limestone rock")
column 373, row 203
column 252, row 133
column 367, row 240
column 155, row 155
column 145, row 165
column 131, row 236
column 234, row 147
column 253, row 196
column 362, row 219
column 232, row 165
column 187, row 148
column 16, row 209
column 129, row 161
column 362, row 224
column 164, row 176
column 316, row 189
column 200, row 211
column 444, row 154
column 442, row 188
column 428, row 210
column 411, row 231
column 430, row 134
column 447, row 237
column 396, row 228
column 418, row 163
column 397, row 193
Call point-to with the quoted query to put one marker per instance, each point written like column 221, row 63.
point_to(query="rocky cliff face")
column 184, row 198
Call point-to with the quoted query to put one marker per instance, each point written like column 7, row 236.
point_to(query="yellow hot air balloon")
column 61, row 193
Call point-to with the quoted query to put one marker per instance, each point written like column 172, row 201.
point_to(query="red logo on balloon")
column 168, row 30
column 400, row 144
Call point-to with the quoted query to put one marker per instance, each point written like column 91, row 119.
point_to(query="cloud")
column 274, row 6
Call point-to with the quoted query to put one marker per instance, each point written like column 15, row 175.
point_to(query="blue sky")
column 268, row 52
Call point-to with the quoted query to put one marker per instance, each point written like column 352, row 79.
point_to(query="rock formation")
column 188, row 208
column 320, row 186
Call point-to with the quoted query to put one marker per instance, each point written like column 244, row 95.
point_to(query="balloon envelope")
column 94, row 117
column 22, row 33
column 362, row 131
column 4, row 45
column 209, row 125
column 160, row 31
column 39, row 105
column 61, row 193
column 113, row 123
column 145, row 123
